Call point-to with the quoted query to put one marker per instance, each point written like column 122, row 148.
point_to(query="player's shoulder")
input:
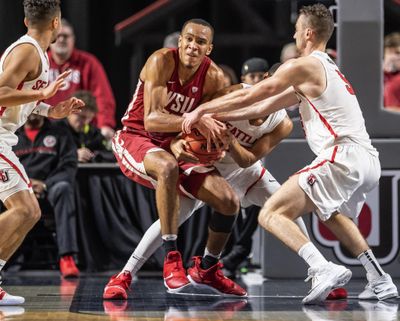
column 163, row 55
column 214, row 71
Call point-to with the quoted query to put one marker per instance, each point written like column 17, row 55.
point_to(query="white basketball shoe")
column 379, row 289
column 8, row 299
column 325, row 278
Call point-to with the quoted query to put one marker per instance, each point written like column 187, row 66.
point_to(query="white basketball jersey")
column 11, row 118
column 247, row 134
column 334, row 117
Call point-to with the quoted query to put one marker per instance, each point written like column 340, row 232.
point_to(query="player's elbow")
column 150, row 123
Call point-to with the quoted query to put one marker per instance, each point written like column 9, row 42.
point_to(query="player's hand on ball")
column 214, row 131
column 181, row 150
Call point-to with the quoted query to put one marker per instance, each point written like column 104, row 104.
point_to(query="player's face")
column 194, row 44
column 65, row 42
column 300, row 33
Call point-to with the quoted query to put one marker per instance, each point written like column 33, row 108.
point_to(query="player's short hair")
column 392, row 40
column 202, row 22
column 88, row 99
column 39, row 11
column 319, row 18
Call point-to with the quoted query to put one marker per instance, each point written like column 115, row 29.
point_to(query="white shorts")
column 253, row 185
column 13, row 177
column 339, row 179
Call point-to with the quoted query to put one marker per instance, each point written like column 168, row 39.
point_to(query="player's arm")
column 289, row 74
column 156, row 73
column 262, row 108
column 246, row 157
column 19, row 66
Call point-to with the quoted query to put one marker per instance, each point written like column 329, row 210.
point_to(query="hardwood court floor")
column 48, row 297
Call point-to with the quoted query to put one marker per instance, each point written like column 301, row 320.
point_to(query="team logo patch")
column 4, row 175
column 49, row 141
column 194, row 90
column 311, row 179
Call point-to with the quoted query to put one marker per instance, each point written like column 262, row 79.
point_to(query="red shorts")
column 130, row 149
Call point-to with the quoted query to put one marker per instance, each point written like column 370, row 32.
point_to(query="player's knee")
column 229, row 205
column 168, row 169
column 267, row 216
column 31, row 213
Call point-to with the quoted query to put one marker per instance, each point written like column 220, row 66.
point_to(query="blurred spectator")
column 87, row 74
column 171, row 40
column 253, row 70
column 391, row 67
column 49, row 157
column 91, row 144
column 289, row 51
column 230, row 77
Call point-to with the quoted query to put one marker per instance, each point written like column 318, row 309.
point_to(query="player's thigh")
column 216, row 192
column 261, row 191
column 289, row 200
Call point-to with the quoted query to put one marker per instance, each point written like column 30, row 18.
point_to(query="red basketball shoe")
column 214, row 280
column 118, row 286
column 175, row 279
column 68, row 267
column 337, row 294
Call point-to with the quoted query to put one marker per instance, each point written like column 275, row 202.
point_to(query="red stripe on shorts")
column 16, row 169
column 251, row 186
column 332, row 160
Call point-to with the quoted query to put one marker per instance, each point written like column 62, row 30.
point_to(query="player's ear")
column 179, row 41
column 26, row 23
column 210, row 48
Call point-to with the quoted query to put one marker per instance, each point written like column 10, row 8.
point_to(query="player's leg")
column 119, row 284
column 22, row 213
column 278, row 215
column 205, row 272
column 380, row 285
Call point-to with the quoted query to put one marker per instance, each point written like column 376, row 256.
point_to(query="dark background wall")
column 94, row 22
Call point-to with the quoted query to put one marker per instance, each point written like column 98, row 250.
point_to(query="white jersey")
column 247, row 134
column 11, row 118
column 334, row 117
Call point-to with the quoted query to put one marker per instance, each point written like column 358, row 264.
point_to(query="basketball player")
column 23, row 79
column 251, row 141
column 347, row 166
column 174, row 81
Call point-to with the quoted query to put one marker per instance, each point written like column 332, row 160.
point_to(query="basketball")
column 198, row 147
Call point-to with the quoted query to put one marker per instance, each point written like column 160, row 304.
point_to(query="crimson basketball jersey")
column 181, row 98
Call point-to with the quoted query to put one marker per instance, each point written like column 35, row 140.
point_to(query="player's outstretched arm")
column 289, row 74
column 20, row 65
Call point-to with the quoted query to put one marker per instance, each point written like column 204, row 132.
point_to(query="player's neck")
column 186, row 74
column 43, row 38
column 313, row 47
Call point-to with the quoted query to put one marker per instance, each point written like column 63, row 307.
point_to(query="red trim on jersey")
column 16, row 169
column 323, row 119
column 251, row 186
column 332, row 160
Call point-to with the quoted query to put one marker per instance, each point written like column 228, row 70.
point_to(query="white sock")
column 152, row 240
column 207, row 252
column 371, row 265
column 169, row 237
column 309, row 253
column 2, row 263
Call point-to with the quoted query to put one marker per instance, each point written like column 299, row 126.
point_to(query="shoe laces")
column 122, row 279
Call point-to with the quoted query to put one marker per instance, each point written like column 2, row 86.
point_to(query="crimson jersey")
column 181, row 99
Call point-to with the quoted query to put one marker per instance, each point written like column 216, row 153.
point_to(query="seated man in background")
column 92, row 146
column 87, row 73
column 49, row 157
column 391, row 69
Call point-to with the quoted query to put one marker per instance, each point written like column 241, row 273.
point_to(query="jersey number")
column 348, row 85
